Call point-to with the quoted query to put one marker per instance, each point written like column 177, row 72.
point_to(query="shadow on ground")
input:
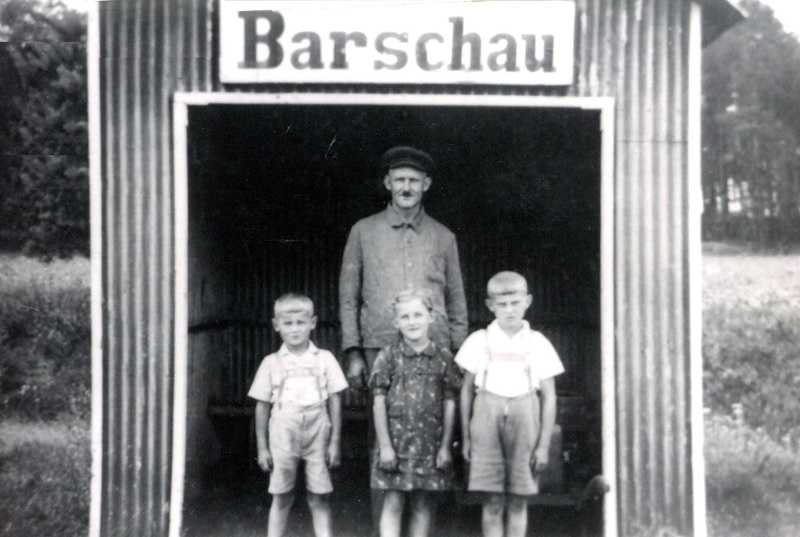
column 237, row 504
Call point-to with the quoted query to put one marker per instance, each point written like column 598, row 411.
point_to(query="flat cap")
column 403, row 155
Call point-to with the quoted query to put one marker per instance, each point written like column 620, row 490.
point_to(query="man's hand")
column 540, row 459
column 265, row 460
column 444, row 458
column 356, row 368
column 466, row 448
column 387, row 459
column 333, row 457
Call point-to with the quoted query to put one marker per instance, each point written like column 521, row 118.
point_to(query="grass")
column 753, row 482
column 751, row 351
column 45, row 331
column 750, row 280
column 45, row 392
column 751, row 340
column 20, row 273
column 44, row 478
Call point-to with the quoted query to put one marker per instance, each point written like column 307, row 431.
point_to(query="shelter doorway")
column 267, row 188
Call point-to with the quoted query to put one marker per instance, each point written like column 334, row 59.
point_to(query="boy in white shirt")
column 508, row 407
column 293, row 387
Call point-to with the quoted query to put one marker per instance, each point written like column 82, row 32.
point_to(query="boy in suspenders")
column 298, row 415
column 508, row 407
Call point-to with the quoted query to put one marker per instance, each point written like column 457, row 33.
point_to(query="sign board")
column 396, row 42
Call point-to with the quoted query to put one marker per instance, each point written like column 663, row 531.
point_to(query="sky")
column 788, row 12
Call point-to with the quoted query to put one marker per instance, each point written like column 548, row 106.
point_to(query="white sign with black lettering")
column 433, row 42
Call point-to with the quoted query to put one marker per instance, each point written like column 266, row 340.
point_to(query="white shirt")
column 518, row 363
column 307, row 379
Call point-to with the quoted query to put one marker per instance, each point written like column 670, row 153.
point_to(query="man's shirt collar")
column 397, row 220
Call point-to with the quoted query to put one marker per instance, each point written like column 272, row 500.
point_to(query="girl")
column 415, row 384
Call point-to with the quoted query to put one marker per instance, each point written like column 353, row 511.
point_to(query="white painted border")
column 605, row 105
column 180, row 124
column 695, row 254
column 200, row 99
column 96, row 260
column 608, row 317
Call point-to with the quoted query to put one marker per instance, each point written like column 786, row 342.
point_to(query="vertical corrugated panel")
column 149, row 48
column 637, row 51
column 634, row 50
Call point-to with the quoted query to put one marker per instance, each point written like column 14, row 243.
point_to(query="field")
column 752, row 389
column 44, row 389
column 751, row 351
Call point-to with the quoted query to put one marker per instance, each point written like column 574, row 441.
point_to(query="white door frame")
column 181, row 104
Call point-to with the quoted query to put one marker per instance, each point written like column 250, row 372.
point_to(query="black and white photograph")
column 422, row 268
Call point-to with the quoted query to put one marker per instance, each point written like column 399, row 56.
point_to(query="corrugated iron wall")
column 634, row 50
column 638, row 51
column 148, row 49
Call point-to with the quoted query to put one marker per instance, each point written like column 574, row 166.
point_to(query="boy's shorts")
column 296, row 434
column 504, row 432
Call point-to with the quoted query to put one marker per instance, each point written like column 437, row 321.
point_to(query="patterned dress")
column 416, row 385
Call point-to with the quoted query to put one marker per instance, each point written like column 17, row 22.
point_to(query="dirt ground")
column 237, row 505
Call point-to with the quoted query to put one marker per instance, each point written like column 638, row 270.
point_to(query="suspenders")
column 317, row 372
column 482, row 372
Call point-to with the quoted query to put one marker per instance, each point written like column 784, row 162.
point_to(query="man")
column 398, row 248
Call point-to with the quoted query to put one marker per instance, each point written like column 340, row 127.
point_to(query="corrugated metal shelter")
column 154, row 71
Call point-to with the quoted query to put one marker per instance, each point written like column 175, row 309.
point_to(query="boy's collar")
column 397, row 220
column 284, row 350
column 494, row 327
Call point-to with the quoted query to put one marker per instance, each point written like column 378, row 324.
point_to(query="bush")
column 48, row 485
column 751, row 479
column 44, row 187
column 45, row 340
column 751, row 349
column 751, row 340
column 752, row 356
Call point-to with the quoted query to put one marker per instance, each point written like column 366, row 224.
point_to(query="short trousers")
column 296, row 435
column 503, row 432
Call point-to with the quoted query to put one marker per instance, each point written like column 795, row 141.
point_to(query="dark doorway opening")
column 273, row 191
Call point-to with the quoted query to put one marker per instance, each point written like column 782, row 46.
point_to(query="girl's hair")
column 408, row 295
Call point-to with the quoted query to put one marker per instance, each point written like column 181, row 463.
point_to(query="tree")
column 751, row 130
column 44, row 173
